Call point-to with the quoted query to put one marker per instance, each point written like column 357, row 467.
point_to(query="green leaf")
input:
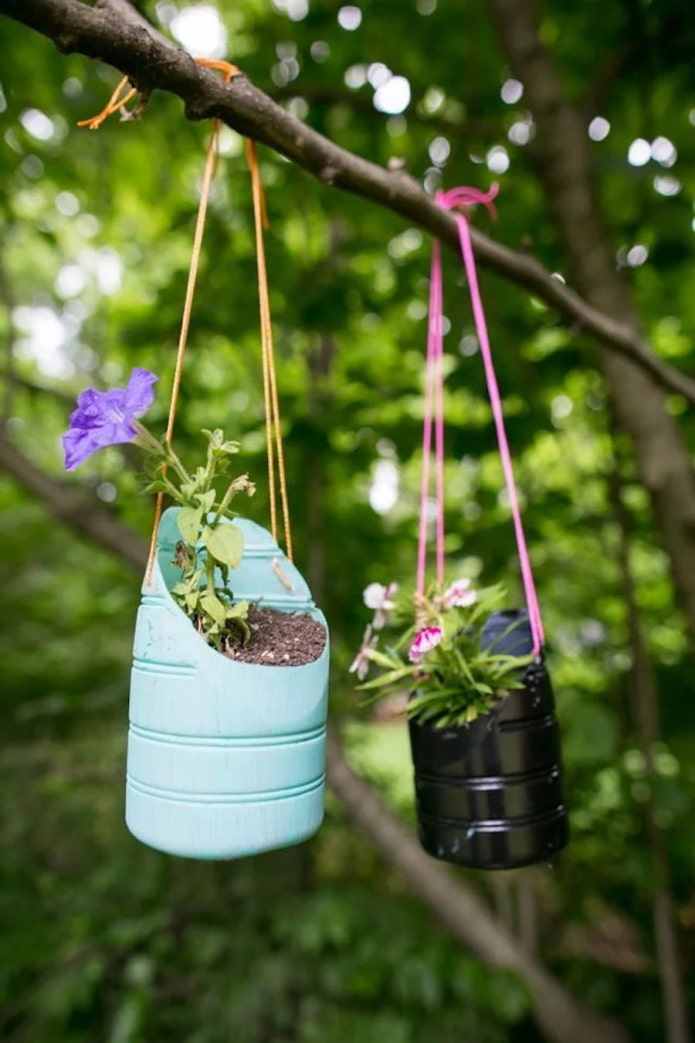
column 206, row 500
column 242, row 627
column 213, row 607
column 157, row 485
column 218, row 443
column 239, row 610
column 226, row 544
column 383, row 660
column 392, row 677
column 463, row 666
column 188, row 521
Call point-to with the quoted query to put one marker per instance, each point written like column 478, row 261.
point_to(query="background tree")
column 328, row 942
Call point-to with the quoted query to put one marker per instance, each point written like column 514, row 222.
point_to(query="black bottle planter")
column 489, row 794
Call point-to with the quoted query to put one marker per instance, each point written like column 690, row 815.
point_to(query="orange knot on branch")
column 229, row 70
column 125, row 93
column 118, row 100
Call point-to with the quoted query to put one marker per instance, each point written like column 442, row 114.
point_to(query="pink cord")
column 434, row 399
column 434, row 403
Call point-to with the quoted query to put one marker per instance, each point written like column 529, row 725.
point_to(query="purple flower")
column 425, row 640
column 105, row 418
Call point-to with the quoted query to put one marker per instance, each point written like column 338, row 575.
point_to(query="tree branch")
column 644, row 707
column 456, row 904
column 461, row 911
column 150, row 62
column 69, row 505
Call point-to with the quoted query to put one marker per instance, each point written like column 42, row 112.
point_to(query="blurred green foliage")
column 105, row 940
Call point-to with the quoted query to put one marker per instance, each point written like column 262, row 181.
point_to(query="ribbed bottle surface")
column 489, row 795
column 225, row 759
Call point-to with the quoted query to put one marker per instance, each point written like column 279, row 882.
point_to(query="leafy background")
column 103, row 939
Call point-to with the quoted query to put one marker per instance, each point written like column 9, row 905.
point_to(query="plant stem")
column 224, row 502
column 209, row 467
column 171, row 489
column 146, row 440
column 173, row 459
column 210, row 572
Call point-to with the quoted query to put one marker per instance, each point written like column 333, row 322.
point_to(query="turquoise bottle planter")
column 225, row 759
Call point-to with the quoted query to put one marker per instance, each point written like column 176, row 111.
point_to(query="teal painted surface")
column 225, row 759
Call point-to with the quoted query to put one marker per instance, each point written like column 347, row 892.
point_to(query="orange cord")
column 272, row 408
column 229, row 71
column 112, row 105
column 115, row 102
column 227, row 68
column 258, row 208
column 185, row 324
column 272, row 405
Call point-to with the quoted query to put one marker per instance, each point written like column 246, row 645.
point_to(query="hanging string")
column 434, row 406
column 272, row 405
column 210, row 161
column 228, row 70
column 116, row 102
column 438, row 381
column 461, row 197
column 260, row 215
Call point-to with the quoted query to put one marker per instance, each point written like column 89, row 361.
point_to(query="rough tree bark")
column 563, row 161
column 563, row 165
column 128, row 43
column 461, row 911
column 644, row 710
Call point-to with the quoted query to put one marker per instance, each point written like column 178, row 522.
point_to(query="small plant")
column 207, row 547
column 436, row 654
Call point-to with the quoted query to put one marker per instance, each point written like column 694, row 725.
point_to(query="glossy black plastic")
column 489, row 795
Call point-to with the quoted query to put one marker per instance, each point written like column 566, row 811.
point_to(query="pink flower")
column 360, row 664
column 379, row 598
column 458, row 595
column 424, row 641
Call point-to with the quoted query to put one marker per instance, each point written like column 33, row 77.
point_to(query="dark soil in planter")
column 279, row 639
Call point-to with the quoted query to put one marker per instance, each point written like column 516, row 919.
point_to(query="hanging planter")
column 228, row 700
column 483, row 733
column 226, row 746
column 489, row 794
column 225, row 758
